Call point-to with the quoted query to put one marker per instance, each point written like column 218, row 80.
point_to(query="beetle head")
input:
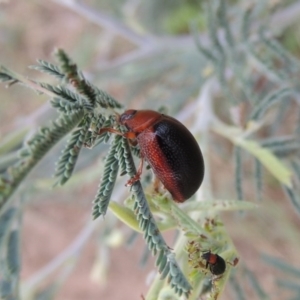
column 127, row 115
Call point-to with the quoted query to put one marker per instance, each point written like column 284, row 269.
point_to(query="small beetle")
column 216, row 263
column 169, row 148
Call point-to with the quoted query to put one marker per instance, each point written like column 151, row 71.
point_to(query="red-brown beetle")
column 216, row 263
column 169, row 148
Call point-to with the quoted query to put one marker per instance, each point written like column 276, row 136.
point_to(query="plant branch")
column 105, row 21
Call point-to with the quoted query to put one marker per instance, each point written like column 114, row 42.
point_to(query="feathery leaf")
column 49, row 68
column 68, row 158
column 13, row 253
column 37, row 147
column 110, row 173
column 273, row 97
column 152, row 234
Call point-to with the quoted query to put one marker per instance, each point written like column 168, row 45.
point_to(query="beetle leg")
column 108, row 129
column 133, row 142
column 137, row 176
column 206, row 266
column 234, row 262
column 156, row 184
column 129, row 135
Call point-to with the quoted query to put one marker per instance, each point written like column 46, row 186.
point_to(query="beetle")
column 169, row 148
column 216, row 263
